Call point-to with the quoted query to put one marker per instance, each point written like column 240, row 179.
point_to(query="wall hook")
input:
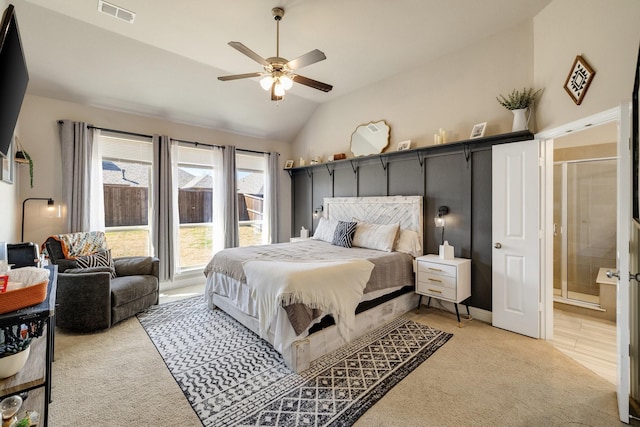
column 384, row 165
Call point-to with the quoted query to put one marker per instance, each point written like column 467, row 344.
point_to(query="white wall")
column 39, row 136
column 604, row 32
column 454, row 92
column 9, row 216
column 459, row 90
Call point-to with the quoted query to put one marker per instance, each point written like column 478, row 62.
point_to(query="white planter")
column 521, row 119
column 10, row 365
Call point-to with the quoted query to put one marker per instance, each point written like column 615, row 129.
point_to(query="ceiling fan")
column 279, row 73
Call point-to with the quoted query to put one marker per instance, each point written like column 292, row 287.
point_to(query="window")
column 127, row 171
column 196, row 178
column 250, row 176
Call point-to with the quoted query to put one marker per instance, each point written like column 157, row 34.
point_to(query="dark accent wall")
column 456, row 175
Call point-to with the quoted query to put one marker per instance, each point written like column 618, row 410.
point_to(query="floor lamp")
column 50, row 204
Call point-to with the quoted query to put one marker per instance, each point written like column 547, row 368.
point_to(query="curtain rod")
column 121, row 132
column 221, row 146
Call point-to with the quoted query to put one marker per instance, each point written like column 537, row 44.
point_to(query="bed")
column 360, row 287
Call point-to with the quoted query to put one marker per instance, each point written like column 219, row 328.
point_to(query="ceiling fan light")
column 286, row 82
column 266, row 82
column 278, row 90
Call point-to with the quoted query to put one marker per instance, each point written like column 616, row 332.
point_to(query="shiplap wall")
column 456, row 175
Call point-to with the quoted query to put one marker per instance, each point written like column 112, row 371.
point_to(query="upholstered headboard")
column 405, row 210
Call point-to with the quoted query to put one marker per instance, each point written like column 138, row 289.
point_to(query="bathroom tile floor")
column 589, row 341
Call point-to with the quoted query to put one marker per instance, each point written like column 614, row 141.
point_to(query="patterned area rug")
column 232, row 377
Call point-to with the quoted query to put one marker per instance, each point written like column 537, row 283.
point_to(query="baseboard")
column 476, row 313
column 184, row 280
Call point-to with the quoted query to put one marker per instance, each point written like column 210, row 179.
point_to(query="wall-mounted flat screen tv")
column 13, row 77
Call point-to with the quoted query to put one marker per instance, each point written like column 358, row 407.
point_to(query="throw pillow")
column 409, row 243
column 343, row 235
column 99, row 259
column 376, row 236
column 325, row 230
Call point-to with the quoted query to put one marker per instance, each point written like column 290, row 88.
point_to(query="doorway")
column 584, row 246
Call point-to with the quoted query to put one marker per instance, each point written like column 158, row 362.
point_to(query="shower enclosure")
column 584, row 231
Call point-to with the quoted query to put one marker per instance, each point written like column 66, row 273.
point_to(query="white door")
column 622, row 247
column 516, row 237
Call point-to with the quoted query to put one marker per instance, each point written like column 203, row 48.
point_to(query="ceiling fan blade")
column 251, row 54
column 312, row 83
column 306, row 59
column 239, row 76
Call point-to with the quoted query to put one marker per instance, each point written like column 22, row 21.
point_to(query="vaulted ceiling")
column 167, row 62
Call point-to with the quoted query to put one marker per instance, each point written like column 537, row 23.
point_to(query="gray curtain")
column 162, row 231
column 272, row 196
column 231, row 231
column 76, row 143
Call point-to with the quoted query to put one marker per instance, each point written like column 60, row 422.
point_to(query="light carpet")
column 483, row 376
column 232, row 377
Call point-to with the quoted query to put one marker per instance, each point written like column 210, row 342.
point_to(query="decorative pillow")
column 326, row 229
column 343, row 235
column 99, row 259
column 381, row 237
column 409, row 243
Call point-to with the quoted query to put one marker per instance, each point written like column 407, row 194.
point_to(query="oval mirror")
column 371, row 138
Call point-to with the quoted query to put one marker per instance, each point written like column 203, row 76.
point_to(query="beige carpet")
column 482, row 377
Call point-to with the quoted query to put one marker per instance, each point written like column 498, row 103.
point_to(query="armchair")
column 90, row 299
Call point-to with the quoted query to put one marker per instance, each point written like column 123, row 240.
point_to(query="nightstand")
column 444, row 279
column 299, row 239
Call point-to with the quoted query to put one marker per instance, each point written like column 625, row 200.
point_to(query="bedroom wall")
column 455, row 175
column 453, row 92
column 459, row 90
column 39, row 136
column 605, row 33
column 10, row 223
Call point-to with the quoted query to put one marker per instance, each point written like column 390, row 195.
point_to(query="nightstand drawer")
column 436, row 291
column 433, row 268
column 437, row 280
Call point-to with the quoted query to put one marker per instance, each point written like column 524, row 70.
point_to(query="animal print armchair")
column 95, row 291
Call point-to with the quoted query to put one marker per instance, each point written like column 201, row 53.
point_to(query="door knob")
column 497, row 245
column 632, row 276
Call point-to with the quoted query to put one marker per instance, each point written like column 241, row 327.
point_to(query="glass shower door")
column 591, row 225
column 585, row 237
column 558, row 235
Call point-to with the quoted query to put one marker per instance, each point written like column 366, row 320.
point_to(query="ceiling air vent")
column 116, row 11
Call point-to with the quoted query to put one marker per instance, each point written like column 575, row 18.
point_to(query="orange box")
column 23, row 297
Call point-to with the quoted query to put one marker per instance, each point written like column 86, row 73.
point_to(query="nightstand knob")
column 497, row 245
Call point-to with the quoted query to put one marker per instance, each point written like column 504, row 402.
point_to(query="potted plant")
column 15, row 346
column 520, row 103
column 23, row 157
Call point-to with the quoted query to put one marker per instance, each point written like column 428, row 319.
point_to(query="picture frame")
column 404, row 145
column 288, row 164
column 579, row 79
column 478, row 130
column 8, row 165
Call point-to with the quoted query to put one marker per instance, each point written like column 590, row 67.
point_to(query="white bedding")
column 335, row 287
